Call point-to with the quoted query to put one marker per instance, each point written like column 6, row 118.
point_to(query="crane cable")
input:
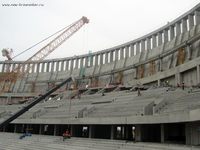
column 41, row 41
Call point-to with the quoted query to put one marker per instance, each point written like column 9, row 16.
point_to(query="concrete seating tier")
column 10, row 141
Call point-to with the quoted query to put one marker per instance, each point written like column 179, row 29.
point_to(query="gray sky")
column 112, row 22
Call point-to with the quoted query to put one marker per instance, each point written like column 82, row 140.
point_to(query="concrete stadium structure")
column 159, row 63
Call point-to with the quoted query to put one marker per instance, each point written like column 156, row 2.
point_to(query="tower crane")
column 7, row 79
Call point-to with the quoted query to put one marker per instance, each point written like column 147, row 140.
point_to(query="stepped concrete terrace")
column 162, row 60
column 10, row 141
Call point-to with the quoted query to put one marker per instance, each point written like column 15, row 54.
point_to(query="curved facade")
column 170, row 55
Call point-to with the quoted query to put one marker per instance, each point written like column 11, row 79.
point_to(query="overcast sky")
column 112, row 22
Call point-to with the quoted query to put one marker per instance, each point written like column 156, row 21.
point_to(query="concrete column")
column 40, row 130
column 96, row 60
column 122, row 53
column 160, row 65
column 111, row 56
column 38, row 67
column 52, row 66
column 154, row 41
column 191, row 21
column 197, row 17
column 148, row 43
column 172, row 34
column 116, row 54
column 138, row 135
column 162, row 132
column 159, row 38
column 92, row 60
column 112, row 132
column 86, row 61
column 198, row 74
column 106, row 58
column 178, row 28
column 127, row 51
column 57, row 65
column 188, row 49
column 15, row 128
column 101, row 58
column 132, row 50
column 42, row 67
column 67, row 65
column 137, row 48
column 55, row 130
column 76, row 63
column 47, row 68
column 158, row 82
column 177, row 78
column 91, row 131
column 184, row 25
column 142, row 45
column 72, row 64
column 3, row 67
column 166, row 35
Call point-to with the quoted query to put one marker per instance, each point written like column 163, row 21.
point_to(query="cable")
column 40, row 42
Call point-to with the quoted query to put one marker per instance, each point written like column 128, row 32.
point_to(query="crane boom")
column 26, row 66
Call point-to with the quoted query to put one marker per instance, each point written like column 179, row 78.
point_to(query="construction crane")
column 6, row 52
column 7, row 79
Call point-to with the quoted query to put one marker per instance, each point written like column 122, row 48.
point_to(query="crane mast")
column 27, row 67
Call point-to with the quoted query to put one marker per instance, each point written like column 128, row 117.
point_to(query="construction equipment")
column 6, row 80
column 29, row 106
column 7, row 53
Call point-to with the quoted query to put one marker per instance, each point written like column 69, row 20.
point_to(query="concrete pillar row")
column 131, row 50
column 159, row 38
column 184, row 25
column 71, row 64
column 172, row 33
column 197, row 17
column 178, row 28
column 137, row 48
column 154, row 41
column 191, row 21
